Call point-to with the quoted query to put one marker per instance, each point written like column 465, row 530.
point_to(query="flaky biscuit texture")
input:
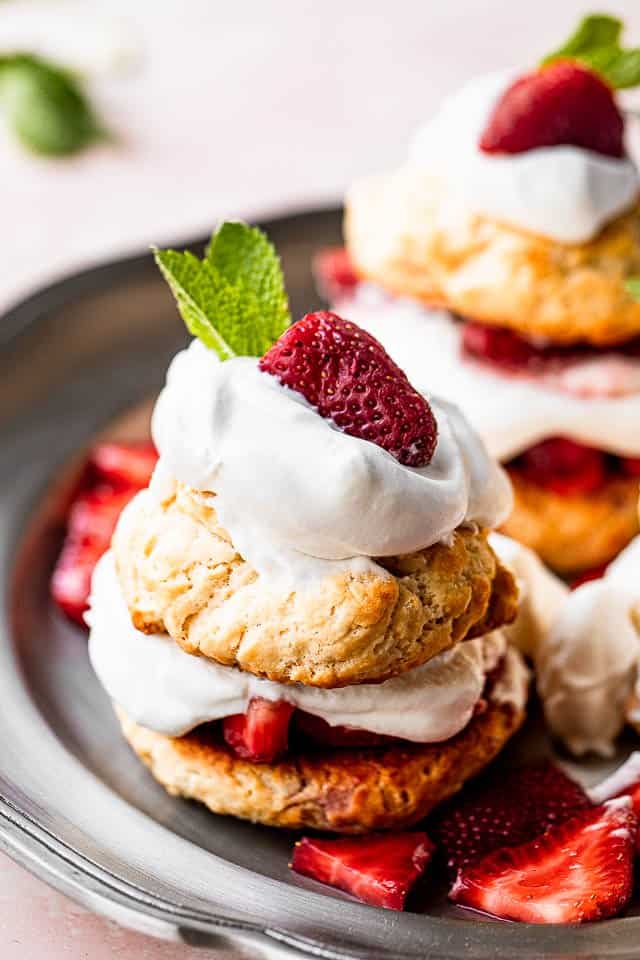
column 181, row 574
column 409, row 233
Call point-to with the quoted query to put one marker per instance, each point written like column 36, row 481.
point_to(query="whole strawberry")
column 344, row 373
column 563, row 103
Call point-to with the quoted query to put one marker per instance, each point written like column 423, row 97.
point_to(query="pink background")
column 224, row 109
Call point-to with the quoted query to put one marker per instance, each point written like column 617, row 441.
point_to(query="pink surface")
column 224, row 109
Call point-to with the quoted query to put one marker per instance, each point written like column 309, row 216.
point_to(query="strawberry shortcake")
column 494, row 266
column 300, row 621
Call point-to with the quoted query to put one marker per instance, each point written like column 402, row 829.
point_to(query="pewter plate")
column 76, row 807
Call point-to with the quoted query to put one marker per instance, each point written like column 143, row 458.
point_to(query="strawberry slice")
column 92, row 520
column 262, row 733
column 379, row 869
column 566, row 467
column 630, row 466
column 623, row 782
column 596, row 573
column 334, row 273
column 505, row 810
column 563, row 103
column 349, row 378
column 124, row 465
column 579, row 871
column 323, row 733
column 498, row 346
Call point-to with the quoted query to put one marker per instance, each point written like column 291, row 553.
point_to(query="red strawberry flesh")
column 630, row 466
column 596, row 573
column 563, row 103
column 335, row 274
column 124, row 465
column 578, row 871
column 344, row 373
column 563, row 466
column 115, row 473
column 507, row 350
column 623, row 782
column 505, row 810
column 92, row 520
column 262, row 733
column 318, row 730
column 377, row 869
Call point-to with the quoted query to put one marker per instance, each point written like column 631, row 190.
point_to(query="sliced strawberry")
column 588, row 576
column 379, row 869
column 497, row 345
column 321, row 732
column 334, row 272
column 623, row 782
column 566, row 467
column 349, row 378
column 630, row 466
column 124, row 465
column 578, row 871
column 262, row 733
column 92, row 520
column 505, row 810
column 564, row 103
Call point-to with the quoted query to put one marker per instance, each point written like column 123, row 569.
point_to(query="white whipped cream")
column 565, row 193
column 541, row 595
column 585, row 648
column 292, row 489
column 510, row 413
column 170, row 691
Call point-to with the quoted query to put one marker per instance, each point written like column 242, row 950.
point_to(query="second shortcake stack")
column 518, row 212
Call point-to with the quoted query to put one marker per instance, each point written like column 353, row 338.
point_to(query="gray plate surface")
column 75, row 806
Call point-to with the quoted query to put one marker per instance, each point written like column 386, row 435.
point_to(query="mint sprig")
column 596, row 42
column 233, row 299
column 632, row 286
column 45, row 106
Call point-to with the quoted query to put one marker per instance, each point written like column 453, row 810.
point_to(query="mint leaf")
column 596, row 30
column 234, row 299
column 244, row 256
column 596, row 43
column 632, row 286
column 45, row 106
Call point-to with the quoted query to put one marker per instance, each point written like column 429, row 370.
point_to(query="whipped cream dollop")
column 292, row 489
column 584, row 646
column 170, row 691
column 565, row 193
column 509, row 412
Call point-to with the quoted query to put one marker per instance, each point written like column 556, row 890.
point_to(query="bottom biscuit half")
column 341, row 790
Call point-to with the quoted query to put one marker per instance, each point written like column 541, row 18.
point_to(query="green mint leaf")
column 632, row 286
column 624, row 70
column 244, row 257
column 45, row 106
column 596, row 43
column 596, row 30
column 234, row 299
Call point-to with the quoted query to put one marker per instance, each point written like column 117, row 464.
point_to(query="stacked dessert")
column 300, row 619
column 517, row 213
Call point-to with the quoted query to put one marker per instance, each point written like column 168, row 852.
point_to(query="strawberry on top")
column 562, row 103
column 347, row 375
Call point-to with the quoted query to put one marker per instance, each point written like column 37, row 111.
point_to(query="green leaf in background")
column 596, row 43
column 632, row 286
column 45, row 106
column 234, row 299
